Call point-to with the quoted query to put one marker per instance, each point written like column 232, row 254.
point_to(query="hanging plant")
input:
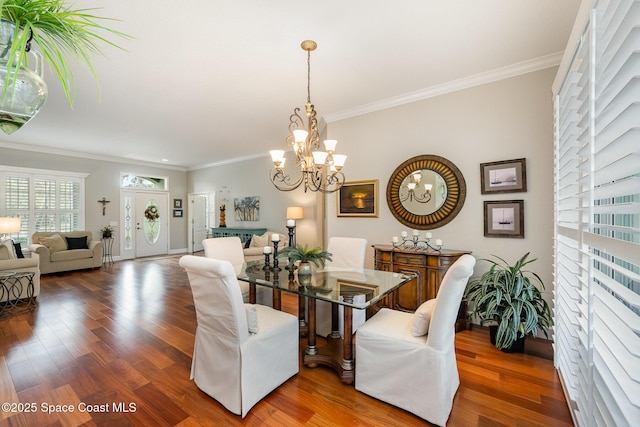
column 59, row 31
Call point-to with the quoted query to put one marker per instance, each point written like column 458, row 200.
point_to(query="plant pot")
column 304, row 269
column 27, row 90
column 516, row 347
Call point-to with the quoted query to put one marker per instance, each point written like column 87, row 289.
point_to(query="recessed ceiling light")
column 165, row 160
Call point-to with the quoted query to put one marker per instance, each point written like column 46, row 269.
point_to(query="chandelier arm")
column 282, row 181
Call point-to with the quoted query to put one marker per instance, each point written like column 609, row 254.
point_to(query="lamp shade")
column 294, row 212
column 9, row 225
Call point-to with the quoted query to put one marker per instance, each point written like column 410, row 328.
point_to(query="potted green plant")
column 60, row 32
column 107, row 231
column 305, row 256
column 507, row 297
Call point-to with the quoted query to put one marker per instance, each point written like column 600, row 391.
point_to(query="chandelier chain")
column 309, row 76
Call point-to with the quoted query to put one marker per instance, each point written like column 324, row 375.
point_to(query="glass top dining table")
column 352, row 288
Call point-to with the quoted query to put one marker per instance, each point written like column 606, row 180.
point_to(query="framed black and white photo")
column 504, row 218
column 177, row 204
column 177, row 213
column 506, row 176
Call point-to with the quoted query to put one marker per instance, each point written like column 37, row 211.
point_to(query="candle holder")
column 292, row 239
column 414, row 243
column 267, row 263
column 275, row 257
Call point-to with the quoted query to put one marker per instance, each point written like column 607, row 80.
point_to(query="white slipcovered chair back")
column 217, row 298
column 442, row 326
column 234, row 366
column 347, row 252
column 226, row 248
column 416, row 373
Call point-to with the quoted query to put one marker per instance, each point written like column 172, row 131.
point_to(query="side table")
column 11, row 288
column 107, row 250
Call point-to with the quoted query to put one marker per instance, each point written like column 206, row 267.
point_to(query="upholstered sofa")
column 253, row 249
column 10, row 263
column 66, row 251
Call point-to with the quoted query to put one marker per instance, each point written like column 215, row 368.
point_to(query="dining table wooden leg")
column 347, row 343
column 311, row 349
column 252, row 293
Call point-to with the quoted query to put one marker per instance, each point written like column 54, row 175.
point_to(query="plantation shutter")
column 597, row 218
column 51, row 202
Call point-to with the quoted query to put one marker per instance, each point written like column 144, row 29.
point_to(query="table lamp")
column 9, row 225
column 293, row 213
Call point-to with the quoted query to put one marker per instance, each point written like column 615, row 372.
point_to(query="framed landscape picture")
column 504, row 218
column 506, row 176
column 358, row 199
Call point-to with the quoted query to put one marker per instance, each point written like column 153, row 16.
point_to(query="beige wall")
column 251, row 178
column 103, row 180
column 508, row 119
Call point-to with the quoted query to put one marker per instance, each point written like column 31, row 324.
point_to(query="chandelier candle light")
column 320, row 170
column 414, row 242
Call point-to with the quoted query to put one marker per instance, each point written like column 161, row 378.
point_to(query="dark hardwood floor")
column 121, row 338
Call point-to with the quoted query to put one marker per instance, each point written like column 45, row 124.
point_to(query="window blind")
column 44, row 203
column 597, row 218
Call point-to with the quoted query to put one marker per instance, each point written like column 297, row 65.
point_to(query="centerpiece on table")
column 303, row 256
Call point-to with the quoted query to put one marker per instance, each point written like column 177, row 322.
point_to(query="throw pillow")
column 260, row 241
column 7, row 250
column 252, row 318
column 422, row 318
column 18, row 248
column 247, row 244
column 77, row 242
column 55, row 243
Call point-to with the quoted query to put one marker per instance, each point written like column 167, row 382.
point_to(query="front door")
column 151, row 223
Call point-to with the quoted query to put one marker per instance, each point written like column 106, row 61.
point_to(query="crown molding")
column 513, row 70
column 115, row 159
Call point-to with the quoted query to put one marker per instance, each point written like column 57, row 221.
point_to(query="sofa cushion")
column 77, row 242
column 71, row 255
column 18, row 248
column 55, row 243
column 7, row 250
column 260, row 241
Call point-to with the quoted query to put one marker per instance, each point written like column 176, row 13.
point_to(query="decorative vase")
column 26, row 91
column 304, row 269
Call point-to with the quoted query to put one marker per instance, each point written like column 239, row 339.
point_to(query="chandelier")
column 319, row 170
column 410, row 191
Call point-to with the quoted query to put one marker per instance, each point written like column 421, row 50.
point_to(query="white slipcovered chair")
column 231, row 249
column 399, row 363
column 347, row 252
column 233, row 363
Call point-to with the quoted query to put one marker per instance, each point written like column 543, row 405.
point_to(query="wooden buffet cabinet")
column 428, row 266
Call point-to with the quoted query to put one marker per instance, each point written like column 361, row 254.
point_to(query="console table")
column 429, row 268
column 243, row 233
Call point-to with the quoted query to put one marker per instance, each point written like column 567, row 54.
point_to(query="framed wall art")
column 358, row 199
column 177, row 203
column 246, row 208
column 506, row 176
column 504, row 218
column 177, row 213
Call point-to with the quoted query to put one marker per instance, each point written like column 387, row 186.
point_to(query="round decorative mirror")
column 426, row 192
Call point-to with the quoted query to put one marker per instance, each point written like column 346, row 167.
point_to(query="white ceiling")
column 209, row 81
